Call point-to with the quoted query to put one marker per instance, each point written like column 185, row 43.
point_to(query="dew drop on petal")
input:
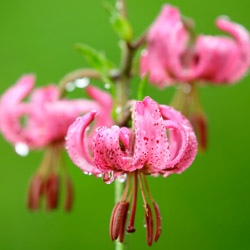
column 108, row 177
column 22, row 149
column 82, row 82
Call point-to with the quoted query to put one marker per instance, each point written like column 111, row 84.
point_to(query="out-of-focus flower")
column 172, row 57
column 47, row 118
column 146, row 149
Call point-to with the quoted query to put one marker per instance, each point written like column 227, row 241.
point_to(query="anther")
column 51, row 191
column 158, row 221
column 35, row 192
column 118, row 220
column 149, row 224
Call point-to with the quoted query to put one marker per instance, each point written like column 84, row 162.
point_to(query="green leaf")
column 141, row 88
column 96, row 59
column 119, row 23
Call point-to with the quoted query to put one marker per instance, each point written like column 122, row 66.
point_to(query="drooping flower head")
column 47, row 118
column 146, row 149
column 172, row 57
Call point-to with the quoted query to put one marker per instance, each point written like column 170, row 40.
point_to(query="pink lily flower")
column 144, row 150
column 214, row 59
column 47, row 120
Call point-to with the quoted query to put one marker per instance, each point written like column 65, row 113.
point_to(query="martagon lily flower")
column 47, row 118
column 173, row 55
column 160, row 142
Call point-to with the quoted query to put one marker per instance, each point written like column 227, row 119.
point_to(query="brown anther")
column 118, row 219
column 35, row 192
column 149, row 224
column 203, row 132
column 69, row 195
column 112, row 219
column 124, row 219
column 199, row 123
column 158, row 221
column 51, row 191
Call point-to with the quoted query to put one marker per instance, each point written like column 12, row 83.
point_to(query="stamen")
column 125, row 193
column 123, row 224
column 131, row 193
column 157, row 212
column 35, row 192
column 147, row 188
column 51, row 191
column 149, row 224
column 142, row 192
column 119, row 219
column 111, row 225
column 131, row 228
column 158, row 221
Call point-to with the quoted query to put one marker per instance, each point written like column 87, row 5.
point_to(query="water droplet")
column 70, row 87
column 22, row 149
column 107, row 86
column 118, row 110
column 82, row 82
column 108, row 177
column 122, row 178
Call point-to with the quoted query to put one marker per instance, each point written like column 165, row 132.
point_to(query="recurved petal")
column 217, row 57
column 151, row 145
column 176, row 138
column 46, row 94
column 242, row 38
column 19, row 91
column 11, row 109
column 105, row 105
column 76, row 143
column 100, row 96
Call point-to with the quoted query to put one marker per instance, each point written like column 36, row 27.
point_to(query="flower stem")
column 76, row 74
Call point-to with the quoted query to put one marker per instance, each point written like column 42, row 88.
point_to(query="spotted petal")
column 151, row 145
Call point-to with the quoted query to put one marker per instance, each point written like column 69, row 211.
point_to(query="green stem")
column 122, row 96
column 76, row 74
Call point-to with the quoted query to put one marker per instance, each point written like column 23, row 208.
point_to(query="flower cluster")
column 130, row 139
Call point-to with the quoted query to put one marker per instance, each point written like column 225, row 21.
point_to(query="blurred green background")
column 207, row 207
